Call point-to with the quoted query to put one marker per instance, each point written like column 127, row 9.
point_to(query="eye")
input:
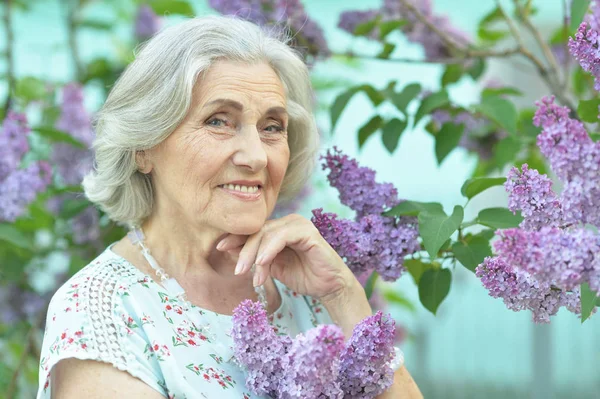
column 277, row 128
column 209, row 122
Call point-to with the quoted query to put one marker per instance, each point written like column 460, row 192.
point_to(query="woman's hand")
column 292, row 250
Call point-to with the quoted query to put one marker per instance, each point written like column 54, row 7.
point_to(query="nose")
column 251, row 152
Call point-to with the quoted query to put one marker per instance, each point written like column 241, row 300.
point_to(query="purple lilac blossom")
column 521, row 291
column 308, row 35
column 21, row 187
column 357, row 186
column 17, row 304
column 365, row 370
column 532, row 194
column 313, row 364
column 258, row 348
column 584, row 48
column 558, row 257
column 147, row 23
column 13, row 142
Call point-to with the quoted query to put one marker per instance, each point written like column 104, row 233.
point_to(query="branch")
column 449, row 60
column 10, row 77
column 72, row 21
column 567, row 59
column 539, row 39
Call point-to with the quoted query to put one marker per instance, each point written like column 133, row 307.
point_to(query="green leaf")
column 342, row 100
column 95, row 24
column 472, row 187
column 416, row 268
column 595, row 136
column 30, row 89
column 485, row 33
column 388, row 48
column 14, row 236
column 430, row 103
column 447, row 139
column 476, row 69
column 434, row 287
column 413, row 208
column 370, row 284
column 506, row 150
column 588, row 110
column 500, row 91
column 390, row 134
column 588, row 301
column 408, row 93
column 501, row 111
column 452, row 74
column 367, row 27
column 72, row 207
column 470, row 254
column 395, row 298
column 374, row 124
column 97, row 69
column 58, row 136
column 578, row 10
column 499, row 218
column 436, row 228
column 388, row 26
column 162, row 7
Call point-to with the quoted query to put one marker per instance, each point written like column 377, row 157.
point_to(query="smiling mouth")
column 241, row 188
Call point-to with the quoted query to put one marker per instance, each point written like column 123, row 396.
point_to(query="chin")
column 246, row 225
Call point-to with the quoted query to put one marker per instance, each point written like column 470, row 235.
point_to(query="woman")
column 197, row 141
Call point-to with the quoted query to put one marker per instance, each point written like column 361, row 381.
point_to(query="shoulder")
column 85, row 320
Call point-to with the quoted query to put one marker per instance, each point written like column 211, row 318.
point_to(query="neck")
column 189, row 251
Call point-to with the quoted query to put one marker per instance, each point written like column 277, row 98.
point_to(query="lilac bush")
column 147, row 23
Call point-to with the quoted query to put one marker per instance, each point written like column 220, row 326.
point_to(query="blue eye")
column 277, row 128
column 215, row 119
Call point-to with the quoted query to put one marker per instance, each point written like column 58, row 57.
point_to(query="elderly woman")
column 200, row 137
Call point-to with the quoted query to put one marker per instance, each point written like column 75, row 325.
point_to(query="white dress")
column 112, row 312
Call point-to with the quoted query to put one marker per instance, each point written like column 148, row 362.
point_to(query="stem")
column 567, row 59
column 73, row 11
column 468, row 224
column 548, row 54
column 10, row 77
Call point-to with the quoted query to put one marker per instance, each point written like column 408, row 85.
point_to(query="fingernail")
column 220, row 245
column 239, row 267
column 256, row 279
column 260, row 259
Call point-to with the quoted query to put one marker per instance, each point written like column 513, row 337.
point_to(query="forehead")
column 257, row 83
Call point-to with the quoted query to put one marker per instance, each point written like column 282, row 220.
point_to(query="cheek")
column 278, row 166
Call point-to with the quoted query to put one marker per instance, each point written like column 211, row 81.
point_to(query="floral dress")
column 110, row 311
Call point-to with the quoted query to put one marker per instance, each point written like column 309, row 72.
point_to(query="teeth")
column 243, row 189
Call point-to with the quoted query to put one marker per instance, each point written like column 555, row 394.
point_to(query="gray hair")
column 154, row 93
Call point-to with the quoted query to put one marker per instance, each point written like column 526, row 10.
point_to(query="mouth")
column 242, row 191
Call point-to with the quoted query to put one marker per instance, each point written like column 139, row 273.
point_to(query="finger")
column 261, row 274
column 231, row 241
column 248, row 253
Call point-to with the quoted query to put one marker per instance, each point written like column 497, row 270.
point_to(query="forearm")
column 347, row 309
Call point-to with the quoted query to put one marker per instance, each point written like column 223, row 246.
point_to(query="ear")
column 143, row 163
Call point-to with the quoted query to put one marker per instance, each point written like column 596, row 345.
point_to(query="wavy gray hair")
column 153, row 95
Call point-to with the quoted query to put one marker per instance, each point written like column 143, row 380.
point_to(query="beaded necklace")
column 136, row 236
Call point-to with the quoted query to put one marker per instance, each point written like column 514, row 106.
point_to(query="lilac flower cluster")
column 30, row 304
column 147, row 23
column 540, row 265
column 308, row 35
column 521, row 291
column 73, row 163
column 415, row 30
column 316, row 364
column 584, row 48
column 363, row 373
column 18, row 186
column 370, row 241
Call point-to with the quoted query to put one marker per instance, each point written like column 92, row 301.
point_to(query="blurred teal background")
column 475, row 347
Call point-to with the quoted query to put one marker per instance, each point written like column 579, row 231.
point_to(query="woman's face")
column 236, row 129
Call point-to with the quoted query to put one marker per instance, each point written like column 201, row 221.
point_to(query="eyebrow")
column 238, row 106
